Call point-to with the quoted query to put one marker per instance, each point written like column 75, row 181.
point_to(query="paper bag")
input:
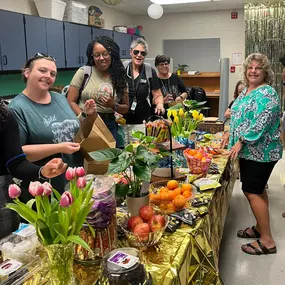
column 99, row 138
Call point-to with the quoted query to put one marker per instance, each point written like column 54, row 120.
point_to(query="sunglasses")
column 136, row 52
column 163, row 64
column 37, row 56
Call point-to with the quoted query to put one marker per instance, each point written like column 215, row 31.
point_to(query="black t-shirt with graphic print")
column 143, row 110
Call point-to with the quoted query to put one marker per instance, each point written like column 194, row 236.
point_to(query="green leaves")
column 80, row 241
column 142, row 171
column 105, row 154
column 120, row 164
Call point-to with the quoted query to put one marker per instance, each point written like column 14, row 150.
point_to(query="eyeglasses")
column 37, row 56
column 136, row 52
column 163, row 64
column 105, row 55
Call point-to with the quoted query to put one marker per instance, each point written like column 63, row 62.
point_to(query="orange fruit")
column 187, row 194
column 199, row 155
column 192, row 152
column 172, row 184
column 163, row 190
column 177, row 191
column 172, row 195
column 186, row 187
column 155, row 198
column 170, row 208
column 163, row 206
column 179, row 201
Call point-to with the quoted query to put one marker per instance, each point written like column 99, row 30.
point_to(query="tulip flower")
column 80, row 172
column 14, row 191
column 36, row 189
column 174, row 113
column 176, row 119
column 47, row 189
column 70, row 173
column 169, row 113
column 201, row 117
column 181, row 113
column 195, row 114
column 81, row 182
column 66, row 199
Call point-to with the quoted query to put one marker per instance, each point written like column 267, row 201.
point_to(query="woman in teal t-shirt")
column 255, row 139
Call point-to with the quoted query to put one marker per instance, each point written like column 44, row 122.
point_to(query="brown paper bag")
column 99, row 138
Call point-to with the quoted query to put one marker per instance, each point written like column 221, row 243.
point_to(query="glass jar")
column 102, row 219
column 113, row 274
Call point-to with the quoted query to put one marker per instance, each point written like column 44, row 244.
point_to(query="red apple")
column 157, row 222
column 133, row 221
column 146, row 212
column 142, row 231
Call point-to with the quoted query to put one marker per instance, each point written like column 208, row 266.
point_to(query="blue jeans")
column 113, row 128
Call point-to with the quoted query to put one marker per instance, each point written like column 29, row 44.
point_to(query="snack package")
column 173, row 224
column 206, row 184
column 186, row 216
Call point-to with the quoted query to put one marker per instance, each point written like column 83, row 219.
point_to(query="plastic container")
column 20, row 245
column 121, row 29
column 102, row 218
column 53, row 9
column 131, row 31
column 119, row 275
column 76, row 12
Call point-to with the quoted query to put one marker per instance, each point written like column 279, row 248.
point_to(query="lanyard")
column 136, row 86
column 168, row 89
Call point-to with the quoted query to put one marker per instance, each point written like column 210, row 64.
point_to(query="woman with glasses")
column 106, row 83
column 171, row 85
column 144, row 88
column 13, row 163
column 47, row 123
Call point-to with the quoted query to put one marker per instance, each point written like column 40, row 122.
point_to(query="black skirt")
column 254, row 175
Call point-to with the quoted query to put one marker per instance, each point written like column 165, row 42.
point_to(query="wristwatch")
column 83, row 114
column 241, row 140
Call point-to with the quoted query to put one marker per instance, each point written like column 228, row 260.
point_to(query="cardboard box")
column 96, row 21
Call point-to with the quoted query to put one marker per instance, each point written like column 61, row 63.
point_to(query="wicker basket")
column 211, row 127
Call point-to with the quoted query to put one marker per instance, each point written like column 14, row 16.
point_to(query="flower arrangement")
column 135, row 162
column 58, row 219
column 184, row 122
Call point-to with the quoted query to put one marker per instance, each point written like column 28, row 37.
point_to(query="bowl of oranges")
column 198, row 161
column 171, row 196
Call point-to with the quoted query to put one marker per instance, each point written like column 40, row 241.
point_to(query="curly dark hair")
column 3, row 112
column 116, row 68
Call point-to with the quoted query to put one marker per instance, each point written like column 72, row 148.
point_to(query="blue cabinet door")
column 72, row 54
column 12, row 41
column 134, row 37
column 107, row 33
column 36, row 36
column 96, row 33
column 55, row 41
column 84, row 40
column 124, row 42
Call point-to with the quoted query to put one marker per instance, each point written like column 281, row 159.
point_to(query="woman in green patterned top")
column 255, row 140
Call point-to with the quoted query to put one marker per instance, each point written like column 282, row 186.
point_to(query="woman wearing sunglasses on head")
column 13, row 163
column 171, row 85
column 144, row 88
column 47, row 123
column 105, row 83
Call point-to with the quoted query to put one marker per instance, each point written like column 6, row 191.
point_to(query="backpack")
column 148, row 73
column 198, row 94
column 87, row 74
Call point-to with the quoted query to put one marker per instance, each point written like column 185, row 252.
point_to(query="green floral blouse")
column 256, row 118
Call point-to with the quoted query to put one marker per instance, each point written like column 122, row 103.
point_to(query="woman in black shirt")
column 171, row 85
column 13, row 163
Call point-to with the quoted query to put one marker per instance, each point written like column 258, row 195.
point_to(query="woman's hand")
column 53, row 168
column 225, row 138
column 108, row 101
column 159, row 110
column 168, row 98
column 179, row 99
column 68, row 147
column 235, row 150
column 89, row 107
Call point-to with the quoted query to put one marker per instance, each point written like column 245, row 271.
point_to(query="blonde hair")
column 265, row 64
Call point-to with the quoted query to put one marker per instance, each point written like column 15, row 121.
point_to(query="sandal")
column 263, row 249
column 244, row 234
column 283, row 215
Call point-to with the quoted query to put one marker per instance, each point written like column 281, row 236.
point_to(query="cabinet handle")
column 5, row 60
column 82, row 59
column 124, row 52
column 79, row 59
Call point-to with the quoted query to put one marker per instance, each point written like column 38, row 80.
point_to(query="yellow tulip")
column 169, row 113
column 195, row 114
column 176, row 119
column 181, row 113
column 201, row 117
column 174, row 113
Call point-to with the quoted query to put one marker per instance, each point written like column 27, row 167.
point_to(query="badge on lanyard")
column 134, row 105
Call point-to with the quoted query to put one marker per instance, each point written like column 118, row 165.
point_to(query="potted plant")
column 182, row 68
column 135, row 163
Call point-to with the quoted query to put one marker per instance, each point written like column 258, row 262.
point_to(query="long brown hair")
column 236, row 88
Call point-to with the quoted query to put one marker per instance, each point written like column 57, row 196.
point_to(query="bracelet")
column 40, row 174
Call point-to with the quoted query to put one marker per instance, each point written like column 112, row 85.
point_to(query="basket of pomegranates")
column 147, row 228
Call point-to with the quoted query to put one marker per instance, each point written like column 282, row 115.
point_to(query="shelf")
column 212, row 95
column 202, row 74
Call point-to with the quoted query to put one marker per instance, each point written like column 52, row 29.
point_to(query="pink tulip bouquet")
column 58, row 218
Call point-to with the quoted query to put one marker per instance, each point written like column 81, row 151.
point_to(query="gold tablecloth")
column 191, row 254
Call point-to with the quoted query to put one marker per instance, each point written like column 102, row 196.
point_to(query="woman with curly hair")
column 255, row 139
column 106, row 83
column 13, row 163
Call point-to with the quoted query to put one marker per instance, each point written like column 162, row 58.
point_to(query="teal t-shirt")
column 256, row 118
column 50, row 123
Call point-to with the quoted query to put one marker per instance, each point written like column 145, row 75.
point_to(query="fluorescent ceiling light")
column 168, row 2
